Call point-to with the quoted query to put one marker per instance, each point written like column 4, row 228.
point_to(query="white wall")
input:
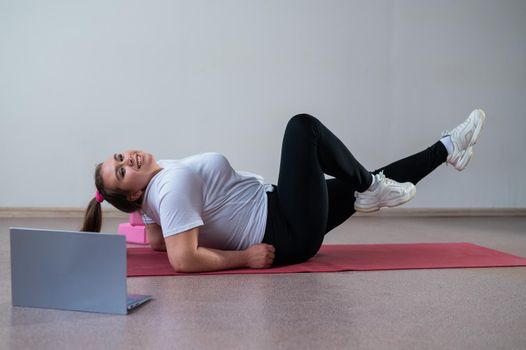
column 80, row 80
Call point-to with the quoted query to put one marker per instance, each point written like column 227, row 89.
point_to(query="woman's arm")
column 155, row 237
column 186, row 256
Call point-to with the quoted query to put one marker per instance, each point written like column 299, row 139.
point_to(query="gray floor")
column 482, row 308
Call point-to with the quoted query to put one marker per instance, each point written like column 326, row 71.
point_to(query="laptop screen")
column 68, row 270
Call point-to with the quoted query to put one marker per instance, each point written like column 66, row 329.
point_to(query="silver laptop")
column 70, row 270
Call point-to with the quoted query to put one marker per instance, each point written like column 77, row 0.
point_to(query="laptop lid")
column 68, row 270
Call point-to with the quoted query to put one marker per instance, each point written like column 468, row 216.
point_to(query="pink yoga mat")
column 346, row 257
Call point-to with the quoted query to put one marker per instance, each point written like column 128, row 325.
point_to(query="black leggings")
column 305, row 206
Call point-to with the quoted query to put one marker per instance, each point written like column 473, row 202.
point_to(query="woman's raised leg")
column 414, row 168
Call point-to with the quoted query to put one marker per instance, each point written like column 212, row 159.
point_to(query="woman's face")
column 129, row 172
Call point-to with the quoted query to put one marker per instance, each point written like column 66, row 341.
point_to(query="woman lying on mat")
column 209, row 217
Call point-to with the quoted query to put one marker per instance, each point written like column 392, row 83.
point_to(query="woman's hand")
column 260, row 256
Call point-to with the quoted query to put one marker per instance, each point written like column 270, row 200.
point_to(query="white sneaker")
column 464, row 137
column 385, row 193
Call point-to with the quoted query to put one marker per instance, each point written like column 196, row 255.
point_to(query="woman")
column 209, row 217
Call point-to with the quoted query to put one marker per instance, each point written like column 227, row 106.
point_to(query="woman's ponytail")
column 119, row 199
column 93, row 217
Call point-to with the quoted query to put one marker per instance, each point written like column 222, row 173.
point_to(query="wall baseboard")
column 78, row 213
column 74, row 213
column 448, row 212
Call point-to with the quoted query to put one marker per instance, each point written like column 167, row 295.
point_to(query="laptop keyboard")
column 131, row 299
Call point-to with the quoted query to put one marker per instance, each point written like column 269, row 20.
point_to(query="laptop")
column 70, row 270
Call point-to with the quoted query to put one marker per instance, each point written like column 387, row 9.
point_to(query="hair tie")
column 99, row 197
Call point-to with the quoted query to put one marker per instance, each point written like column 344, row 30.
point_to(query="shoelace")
column 460, row 126
column 381, row 178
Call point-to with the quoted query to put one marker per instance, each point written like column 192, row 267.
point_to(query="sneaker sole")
column 399, row 201
column 474, row 138
column 478, row 130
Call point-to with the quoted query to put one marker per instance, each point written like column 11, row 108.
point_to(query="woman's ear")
column 132, row 197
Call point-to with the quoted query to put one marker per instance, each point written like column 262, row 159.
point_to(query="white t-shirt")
column 229, row 207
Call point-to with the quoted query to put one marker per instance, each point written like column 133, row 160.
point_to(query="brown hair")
column 93, row 216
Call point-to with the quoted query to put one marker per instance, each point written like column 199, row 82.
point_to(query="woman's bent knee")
column 302, row 119
column 303, row 124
